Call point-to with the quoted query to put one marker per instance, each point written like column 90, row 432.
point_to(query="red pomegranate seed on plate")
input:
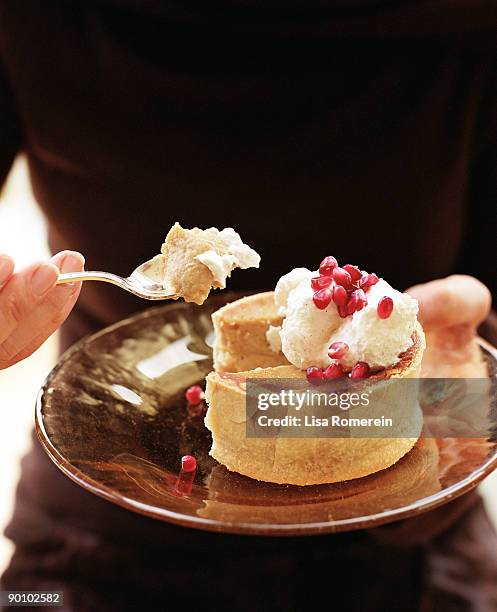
column 360, row 370
column 194, row 395
column 342, row 277
column 385, row 307
column 321, row 282
column 368, row 280
column 184, row 483
column 340, row 296
column 188, row 463
column 327, row 266
column 342, row 311
column 337, row 350
column 314, row 375
column 322, row 298
column 355, row 273
column 334, row 370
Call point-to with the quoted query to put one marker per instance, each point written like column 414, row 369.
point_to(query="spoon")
column 146, row 281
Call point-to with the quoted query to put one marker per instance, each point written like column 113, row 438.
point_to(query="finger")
column 68, row 261
column 48, row 317
column 23, row 293
column 6, row 269
column 63, row 297
column 455, row 300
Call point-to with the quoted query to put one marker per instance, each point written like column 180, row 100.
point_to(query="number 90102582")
column 31, row 598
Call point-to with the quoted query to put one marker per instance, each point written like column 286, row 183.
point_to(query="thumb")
column 452, row 301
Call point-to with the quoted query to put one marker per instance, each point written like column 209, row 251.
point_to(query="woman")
column 366, row 129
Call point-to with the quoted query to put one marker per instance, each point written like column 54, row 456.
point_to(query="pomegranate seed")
column 327, row 266
column 357, row 301
column 352, row 304
column 322, row 298
column 385, row 307
column 334, row 370
column 360, row 370
column 342, row 311
column 188, row 463
column 368, row 280
column 314, row 375
column 186, row 477
column 355, row 273
column 342, row 277
column 361, row 299
column 320, row 282
column 194, row 395
column 337, row 350
column 340, row 296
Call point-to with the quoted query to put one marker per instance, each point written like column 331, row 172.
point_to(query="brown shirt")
column 362, row 129
column 367, row 133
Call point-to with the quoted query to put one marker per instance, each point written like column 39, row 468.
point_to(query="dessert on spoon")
column 191, row 263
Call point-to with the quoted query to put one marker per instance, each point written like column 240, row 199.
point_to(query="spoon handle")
column 107, row 277
column 128, row 284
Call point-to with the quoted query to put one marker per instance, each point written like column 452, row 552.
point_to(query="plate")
column 113, row 417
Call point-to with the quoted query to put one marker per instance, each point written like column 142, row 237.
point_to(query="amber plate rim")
column 268, row 529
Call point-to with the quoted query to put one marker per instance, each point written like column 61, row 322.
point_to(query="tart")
column 244, row 351
column 304, row 461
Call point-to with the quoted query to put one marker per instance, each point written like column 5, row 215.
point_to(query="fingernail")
column 72, row 262
column 5, row 268
column 43, row 279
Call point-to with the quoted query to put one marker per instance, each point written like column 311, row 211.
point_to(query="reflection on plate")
column 113, row 417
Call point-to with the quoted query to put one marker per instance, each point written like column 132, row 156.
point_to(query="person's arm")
column 31, row 306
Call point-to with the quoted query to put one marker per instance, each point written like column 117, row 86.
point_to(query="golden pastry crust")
column 299, row 461
column 184, row 275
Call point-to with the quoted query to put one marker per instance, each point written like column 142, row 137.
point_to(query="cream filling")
column 273, row 338
column 238, row 255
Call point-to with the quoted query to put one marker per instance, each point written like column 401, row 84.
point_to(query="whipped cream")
column 238, row 255
column 273, row 338
column 307, row 332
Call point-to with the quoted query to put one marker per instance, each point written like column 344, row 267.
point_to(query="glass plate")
column 113, row 417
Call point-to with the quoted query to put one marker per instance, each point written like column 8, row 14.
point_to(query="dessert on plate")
column 337, row 322
column 194, row 261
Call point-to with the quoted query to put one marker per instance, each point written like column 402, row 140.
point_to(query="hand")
column 32, row 307
column 450, row 310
